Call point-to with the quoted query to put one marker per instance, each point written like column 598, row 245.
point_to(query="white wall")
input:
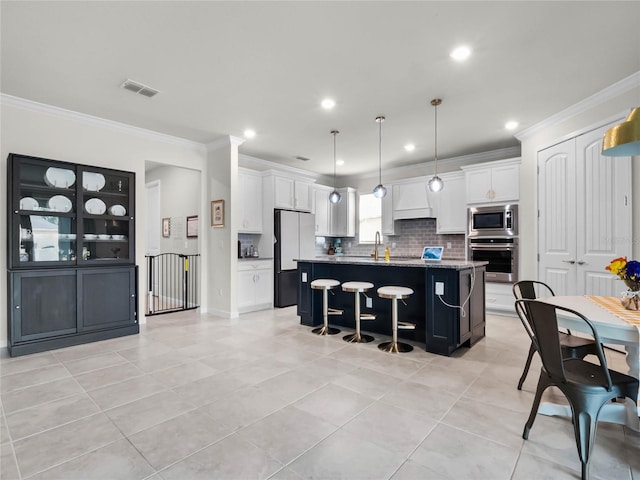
column 588, row 119
column 42, row 131
column 179, row 198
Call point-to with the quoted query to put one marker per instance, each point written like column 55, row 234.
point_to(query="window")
column 370, row 215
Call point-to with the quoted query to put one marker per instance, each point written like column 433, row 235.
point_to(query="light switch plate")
column 369, row 302
column 439, row 288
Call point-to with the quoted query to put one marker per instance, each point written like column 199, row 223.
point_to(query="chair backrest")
column 540, row 320
column 531, row 289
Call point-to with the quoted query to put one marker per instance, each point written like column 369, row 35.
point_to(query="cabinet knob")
column 16, row 211
column 17, row 307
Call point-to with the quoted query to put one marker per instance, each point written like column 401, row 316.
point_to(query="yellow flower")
column 617, row 265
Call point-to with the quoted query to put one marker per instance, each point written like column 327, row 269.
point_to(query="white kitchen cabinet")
column 343, row 214
column 292, row 194
column 388, row 222
column 322, row 210
column 449, row 204
column 493, row 182
column 250, row 196
column 255, row 285
column 411, row 199
column 499, row 298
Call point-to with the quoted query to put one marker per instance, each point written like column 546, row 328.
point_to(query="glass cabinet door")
column 44, row 213
column 106, row 213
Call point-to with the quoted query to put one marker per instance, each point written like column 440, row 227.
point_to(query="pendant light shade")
column 435, row 184
column 623, row 140
column 334, row 197
column 380, row 190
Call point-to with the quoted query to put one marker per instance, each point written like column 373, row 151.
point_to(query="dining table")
column 614, row 327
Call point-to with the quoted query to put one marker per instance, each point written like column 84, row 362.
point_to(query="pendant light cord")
column 380, row 119
column 435, row 128
column 334, row 133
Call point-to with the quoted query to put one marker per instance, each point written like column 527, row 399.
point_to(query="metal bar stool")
column 395, row 293
column 326, row 284
column 358, row 288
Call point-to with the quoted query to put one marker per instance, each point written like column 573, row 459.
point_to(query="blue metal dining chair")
column 572, row 345
column 587, row 386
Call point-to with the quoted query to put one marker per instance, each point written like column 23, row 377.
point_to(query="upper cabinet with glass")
column 65, row 214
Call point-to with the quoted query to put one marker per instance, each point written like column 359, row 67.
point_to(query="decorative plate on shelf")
column 59, row 203
column 117, row 210
column 119, row 237
column 29, row 203
column 59, row 177
column 93, row 182
column 90, row 236
column 95, row 206
column 104, row 236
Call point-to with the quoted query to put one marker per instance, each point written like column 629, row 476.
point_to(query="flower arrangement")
column 629, row 273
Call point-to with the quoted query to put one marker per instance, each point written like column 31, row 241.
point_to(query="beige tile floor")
column 200, row 397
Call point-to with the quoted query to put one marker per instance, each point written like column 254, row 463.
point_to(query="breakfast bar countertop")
column 394, row 262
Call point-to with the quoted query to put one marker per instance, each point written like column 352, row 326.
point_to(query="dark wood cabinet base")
column 68, row 341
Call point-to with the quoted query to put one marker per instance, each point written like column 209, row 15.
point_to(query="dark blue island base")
column 440, row 327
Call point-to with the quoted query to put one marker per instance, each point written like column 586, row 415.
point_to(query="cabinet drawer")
column 244, row 265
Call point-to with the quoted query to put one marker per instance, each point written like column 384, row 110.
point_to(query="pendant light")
column 435, row 184
column 623, row 140
column 334, row 197
column 380, row 190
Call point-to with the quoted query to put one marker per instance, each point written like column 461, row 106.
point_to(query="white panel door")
column 584, row 216
column 603, row 213
column 556, row 217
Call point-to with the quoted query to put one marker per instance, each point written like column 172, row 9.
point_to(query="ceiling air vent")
column 304, row 159
column 138, row 87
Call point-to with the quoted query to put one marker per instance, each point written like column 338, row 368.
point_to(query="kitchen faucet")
column 377, row 244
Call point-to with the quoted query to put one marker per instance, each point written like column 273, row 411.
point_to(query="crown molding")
column 259, row 164
column 33, row 106
column 408, row 170
column 224, row 141
column 612, row 91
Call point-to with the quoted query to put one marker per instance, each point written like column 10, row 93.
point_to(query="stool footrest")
column 406, row 326
column 335, row 311
column 367, row 316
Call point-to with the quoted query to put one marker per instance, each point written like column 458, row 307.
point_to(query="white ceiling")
column 222, row 67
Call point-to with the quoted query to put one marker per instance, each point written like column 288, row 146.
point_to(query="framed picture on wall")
column 217, row 213
column 192, row 226
column 166, row 227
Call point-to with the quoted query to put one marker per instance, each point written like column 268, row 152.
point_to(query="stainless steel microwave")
column 493, row 221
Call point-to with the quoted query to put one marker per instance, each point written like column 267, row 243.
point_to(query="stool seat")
column 396, row 293
column 326, row 284
column 320, row 283
column 358, row 288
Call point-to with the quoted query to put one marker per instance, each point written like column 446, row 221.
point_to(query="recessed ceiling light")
column 249, row 133
column 328, row 103
column 339, row 162
column 409, row 147
column 460, row 53
column 511, row 125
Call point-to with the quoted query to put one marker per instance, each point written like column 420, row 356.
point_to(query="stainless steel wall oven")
column 493, row 237
column 502, row 255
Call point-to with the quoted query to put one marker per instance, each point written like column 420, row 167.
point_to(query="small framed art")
column 217, row 213
column 192, row 226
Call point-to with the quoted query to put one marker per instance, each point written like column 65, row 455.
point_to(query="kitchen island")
column 439, row 322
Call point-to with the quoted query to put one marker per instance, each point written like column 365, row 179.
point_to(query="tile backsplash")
column 411, row 236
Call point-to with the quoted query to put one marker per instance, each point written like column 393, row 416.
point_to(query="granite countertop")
column 393, row 262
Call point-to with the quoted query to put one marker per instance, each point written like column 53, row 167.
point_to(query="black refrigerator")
column 294, row 238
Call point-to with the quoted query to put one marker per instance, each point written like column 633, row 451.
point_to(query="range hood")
column 411, row 200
